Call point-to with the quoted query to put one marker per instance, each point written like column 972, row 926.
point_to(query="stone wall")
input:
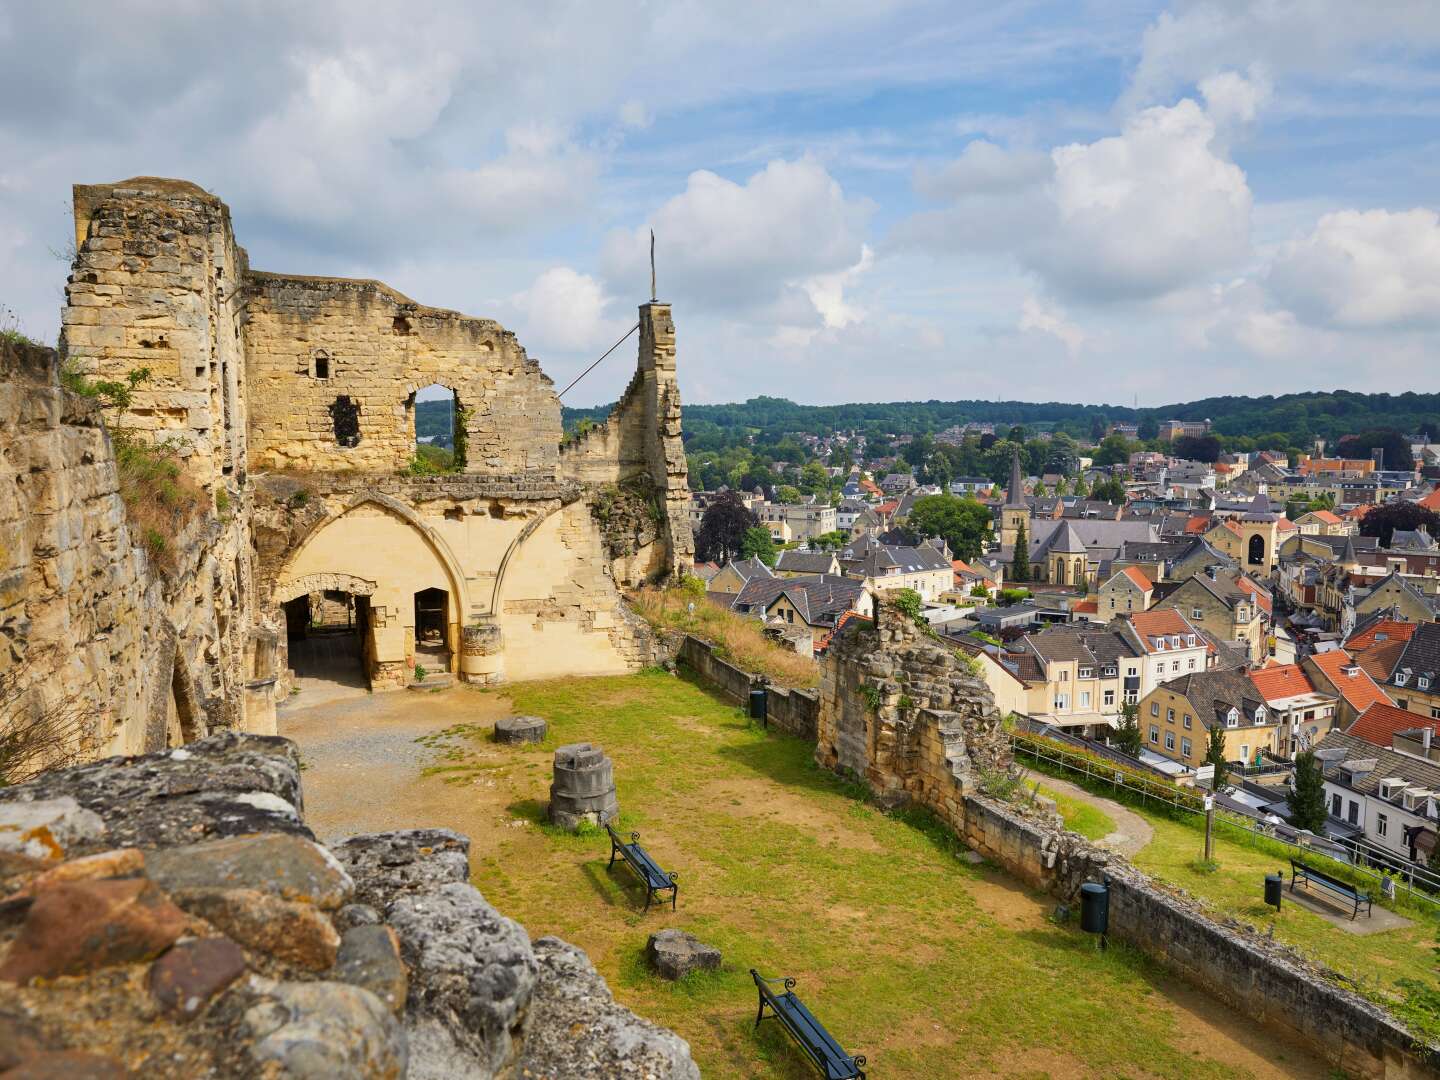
column 788, row 709
column 376, row 348
column 172, row 916
column 145, row 659
column 907, row 716
column 309, row 384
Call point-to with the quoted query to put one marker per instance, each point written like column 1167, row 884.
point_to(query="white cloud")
column 564, row 310
column 740, row 247
column 1304, row 37
column 827, row 292
column 983, row 168
column 1235, row 99
column 1133, row 215
column 1036, row 317
column 1370, row 269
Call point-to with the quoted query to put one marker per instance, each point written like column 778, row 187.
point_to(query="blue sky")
column 853, row 201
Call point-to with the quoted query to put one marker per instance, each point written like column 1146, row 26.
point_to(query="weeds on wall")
column 36, row 734
column 111, row 393
column 10, row 331
column 160, row 498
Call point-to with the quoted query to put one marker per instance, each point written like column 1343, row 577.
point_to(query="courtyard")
column 926, row 964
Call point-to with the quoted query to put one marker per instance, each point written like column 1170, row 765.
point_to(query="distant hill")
column 433, row 419
column 1302, row 417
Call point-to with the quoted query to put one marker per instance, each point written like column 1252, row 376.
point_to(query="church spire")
column 1016, row 495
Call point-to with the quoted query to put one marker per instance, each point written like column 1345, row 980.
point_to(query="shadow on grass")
column 535, row 811
column 602, row 882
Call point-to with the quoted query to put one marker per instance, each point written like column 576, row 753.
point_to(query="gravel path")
column 1132, row 832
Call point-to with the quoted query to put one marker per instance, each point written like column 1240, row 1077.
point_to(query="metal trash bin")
column 1274, row 889
column 1094, row 908
column 757, row 703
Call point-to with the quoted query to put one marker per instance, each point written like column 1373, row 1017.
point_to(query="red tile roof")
column 1431, row 501
column 1379, row 631
column 1358, row 512
column 1326, row 516
column 1198, row 524
column 1356, row 686
column 1164, row 622
column 1381, row 721
column 1086, row 607
column 1379, row 660
column 1281, row 681
column 1262, row 596
column 1137, row 578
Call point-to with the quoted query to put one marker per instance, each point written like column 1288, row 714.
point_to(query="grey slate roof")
column 1421, row 659
column 820, row 599
column 1384, row 764
column 806, row 562
column 1214, row 693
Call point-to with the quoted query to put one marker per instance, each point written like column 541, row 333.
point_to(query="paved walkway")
column 1132, row 832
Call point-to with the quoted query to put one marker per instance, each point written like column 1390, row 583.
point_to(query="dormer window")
column 1423, row 682
column 1260, row 715
column 1190, row 640
column 1160, row 644
column 1175, row 642
column 1232, row 718
column 1401, row 678
column 1087, row 673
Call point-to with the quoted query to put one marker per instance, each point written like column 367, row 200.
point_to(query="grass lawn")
column 1089, row 821
column 929, row 966
column 1374, row 961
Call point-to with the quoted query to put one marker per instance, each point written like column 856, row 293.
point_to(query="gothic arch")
column 309, row 583
column 1256, row 550
column 394, row 506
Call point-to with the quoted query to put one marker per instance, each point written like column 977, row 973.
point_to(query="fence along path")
column 1417, row 882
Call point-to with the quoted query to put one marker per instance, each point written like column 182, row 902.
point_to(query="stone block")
column 674, row 954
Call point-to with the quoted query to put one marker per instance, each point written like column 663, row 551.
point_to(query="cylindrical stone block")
column 519, row 729
column 583, row 788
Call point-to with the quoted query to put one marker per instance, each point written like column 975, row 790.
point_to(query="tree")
column 1395, row 446
column 964, row 524
column 1082, row 489
column 1215, row 755
column 1204, row 448
column 1111, row 489
column 1126, row 735
column 1113, row 450
column 1062, row 488
column 757, row 544
column 1020, row 563
column 1383, row 520
column 1148, row 428
column 814, row 479
column 722, row 528
column 1306, row 797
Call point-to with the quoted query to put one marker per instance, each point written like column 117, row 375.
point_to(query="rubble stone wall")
column 145, row 659
column 306, row 385
column 171, row 915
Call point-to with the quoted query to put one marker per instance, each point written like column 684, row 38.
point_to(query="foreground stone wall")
column 171, row 916
column 143, row 658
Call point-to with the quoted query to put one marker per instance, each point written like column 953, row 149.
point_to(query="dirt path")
column 1132, row 832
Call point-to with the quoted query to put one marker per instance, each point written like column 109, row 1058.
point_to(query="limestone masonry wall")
column 172, row 916
column 291, row 400
column 143, row 659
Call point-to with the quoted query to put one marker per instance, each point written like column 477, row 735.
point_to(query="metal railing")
column 1360, row 856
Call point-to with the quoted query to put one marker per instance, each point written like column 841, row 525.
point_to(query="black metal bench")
column 809, row 1034
column 1300, row 871
column 654, row 879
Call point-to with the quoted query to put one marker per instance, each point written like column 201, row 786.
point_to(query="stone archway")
column 380, row 552
column 1256, row 556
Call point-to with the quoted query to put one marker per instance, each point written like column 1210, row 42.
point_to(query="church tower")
column 1016, row 510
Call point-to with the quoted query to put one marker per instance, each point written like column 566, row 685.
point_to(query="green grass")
column 1373, row 961
column 1374, row 964
column 1089, row 821
column 911, row 956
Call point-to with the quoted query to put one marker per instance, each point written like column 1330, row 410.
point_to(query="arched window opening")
column 439, row 431
column 345, row 416
column 1257, row 550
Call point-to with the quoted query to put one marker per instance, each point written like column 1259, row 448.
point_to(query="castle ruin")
column 292, row 400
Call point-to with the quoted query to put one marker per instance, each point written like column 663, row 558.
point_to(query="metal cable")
column 593, row 366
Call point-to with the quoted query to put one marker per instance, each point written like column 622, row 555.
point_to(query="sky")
column 852, row 201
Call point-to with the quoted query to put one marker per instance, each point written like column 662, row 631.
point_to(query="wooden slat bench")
column 1300, row 871
column 809, row 1034
column 651, row 876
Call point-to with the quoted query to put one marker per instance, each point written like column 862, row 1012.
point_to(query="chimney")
column 1425, row 733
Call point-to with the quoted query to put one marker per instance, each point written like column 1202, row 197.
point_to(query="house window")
column 1169, row 740
column 1085, row 699
column 1382, row 824
column 1087, row 673
column 1185, row 748
column 1354, row 815
column 1335, row 806
column 1062, row 702
column 1160, row 670
column 1154, row 708
column 1196, row 613
column 1154, row 734
column 1400, row 679
column 1109, row 697
column 1187, row 721
column 1064, row 676
column 1232, row 719
column 1169, row 716
column 1192, row 663
column 1174, row 665
column 1422, row 683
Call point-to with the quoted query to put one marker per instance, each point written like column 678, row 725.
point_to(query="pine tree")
column 1127, row 737
column 1020, row 564
column 1306, row 797
column 1215, row 755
